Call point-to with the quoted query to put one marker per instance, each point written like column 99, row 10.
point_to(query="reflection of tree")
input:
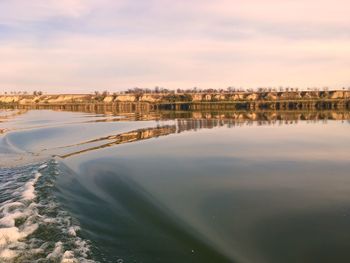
column 132, row 136
column 7, row 115
column 145, row 111
column 202, row 121
column 232, row 119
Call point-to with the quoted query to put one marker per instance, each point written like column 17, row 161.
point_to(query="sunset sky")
column 86, row 45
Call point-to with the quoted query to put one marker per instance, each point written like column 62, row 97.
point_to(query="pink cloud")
column 120, row 44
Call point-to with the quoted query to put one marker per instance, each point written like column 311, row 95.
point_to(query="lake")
column 174, row 187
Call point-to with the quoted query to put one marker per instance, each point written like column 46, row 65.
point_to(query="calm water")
column 85, row 187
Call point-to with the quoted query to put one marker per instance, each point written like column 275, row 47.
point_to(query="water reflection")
column 43, row 131
column 239, row 186
column 127, row 137
column 234, row 118
column 201, row 121
column 250, row 194
column 7, row 114
column 128, row 111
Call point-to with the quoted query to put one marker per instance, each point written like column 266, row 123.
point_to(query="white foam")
column 7, row 254
column 82, row 247
column 9, row 235
column 72, row 231
column 68, row 257
column 50, row 220
column 11, row 211
column 42, row 167
column 13, row 237
column 57, row 252
column 29, row 190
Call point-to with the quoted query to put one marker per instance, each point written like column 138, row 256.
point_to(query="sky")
column 80, row 46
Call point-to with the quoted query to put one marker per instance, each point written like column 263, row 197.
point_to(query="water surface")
column 199, row 187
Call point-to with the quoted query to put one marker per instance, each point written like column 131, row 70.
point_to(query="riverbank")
column 292, row 100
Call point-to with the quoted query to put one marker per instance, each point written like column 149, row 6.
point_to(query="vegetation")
column 161, row 90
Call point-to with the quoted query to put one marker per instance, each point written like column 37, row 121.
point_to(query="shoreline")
column 303, row 100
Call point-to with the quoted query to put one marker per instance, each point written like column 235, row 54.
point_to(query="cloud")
column 18, row 11
column 83, row 45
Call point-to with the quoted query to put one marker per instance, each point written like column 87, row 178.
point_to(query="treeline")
column 35, row 93
column 160, row 90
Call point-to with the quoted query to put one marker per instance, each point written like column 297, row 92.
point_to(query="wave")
column 125, row 221
column 33, row 225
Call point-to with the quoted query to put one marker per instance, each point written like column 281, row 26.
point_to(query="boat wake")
column 33, row 225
